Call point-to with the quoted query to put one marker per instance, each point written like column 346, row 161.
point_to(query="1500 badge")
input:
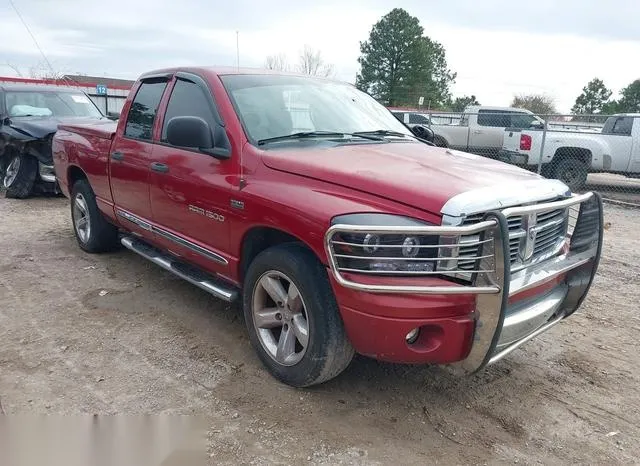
column 206, row 213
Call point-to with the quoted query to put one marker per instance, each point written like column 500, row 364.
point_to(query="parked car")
column 571, row 156
column 351, row 237
column 29, row 116
column 481, row 129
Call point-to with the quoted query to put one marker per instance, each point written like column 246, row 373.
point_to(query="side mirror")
column 537, row 124
column 423, row 132
column 189, row 131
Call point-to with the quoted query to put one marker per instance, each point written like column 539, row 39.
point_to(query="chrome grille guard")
column 492, row 277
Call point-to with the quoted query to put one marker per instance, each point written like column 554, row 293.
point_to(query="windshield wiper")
column 313, row 134
column 381, row 132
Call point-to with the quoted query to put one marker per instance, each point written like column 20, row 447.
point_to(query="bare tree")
column 44, row 71
column 312, row 63
column 277, row 62
column 537, row 103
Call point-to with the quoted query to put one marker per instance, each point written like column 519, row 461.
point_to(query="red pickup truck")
column 336, row 228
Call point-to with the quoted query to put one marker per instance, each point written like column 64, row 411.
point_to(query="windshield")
column 273, row 106
column 50, row 103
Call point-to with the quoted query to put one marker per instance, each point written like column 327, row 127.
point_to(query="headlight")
column 384, row 253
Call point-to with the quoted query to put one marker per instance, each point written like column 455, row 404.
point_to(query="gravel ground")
column 155, row 344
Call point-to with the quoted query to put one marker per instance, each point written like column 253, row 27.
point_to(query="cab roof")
column 477, row 108
column 211, row 71
column 37, row 87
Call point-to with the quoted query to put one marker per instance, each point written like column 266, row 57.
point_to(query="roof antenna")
column 237, row 50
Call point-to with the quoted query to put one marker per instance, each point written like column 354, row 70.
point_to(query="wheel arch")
column 260, row 238
column 75, row 173
column 583, row 154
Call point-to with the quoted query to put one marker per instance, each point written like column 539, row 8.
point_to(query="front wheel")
column 20, row 176
column 293, row 318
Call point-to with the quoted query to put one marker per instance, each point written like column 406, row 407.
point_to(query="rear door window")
column 521, row 120
column 143, row 110
column 494, row 118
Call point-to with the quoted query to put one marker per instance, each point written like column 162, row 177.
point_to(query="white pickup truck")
column 570, row 156
column 481, row 129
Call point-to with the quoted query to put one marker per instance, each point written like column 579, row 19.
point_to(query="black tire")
column 19, row 185
column 328, row 351
column 570, row 171
column 101, row 236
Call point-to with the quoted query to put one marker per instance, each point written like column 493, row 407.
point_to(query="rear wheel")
column 572, row 172
column 93, row 232
column 293, row 318
column 20, row 176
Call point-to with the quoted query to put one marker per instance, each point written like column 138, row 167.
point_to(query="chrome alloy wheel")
column 81, row 218
column 12, row 172
column 280, row 318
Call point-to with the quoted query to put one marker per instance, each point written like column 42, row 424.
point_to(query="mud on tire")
column 286, row 288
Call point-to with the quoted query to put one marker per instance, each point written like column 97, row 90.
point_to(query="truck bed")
column 88, row 146
column 104, row 129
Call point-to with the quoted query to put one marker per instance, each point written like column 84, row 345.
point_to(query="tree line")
column 596, row 98
column 400, row 66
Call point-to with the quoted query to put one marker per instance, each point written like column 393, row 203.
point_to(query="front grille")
column 551, row 231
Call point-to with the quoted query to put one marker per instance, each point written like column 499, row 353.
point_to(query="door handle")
column 117, row 156
column 477, row 132
column 159, row 167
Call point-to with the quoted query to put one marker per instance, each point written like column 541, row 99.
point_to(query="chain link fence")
column 587, row 152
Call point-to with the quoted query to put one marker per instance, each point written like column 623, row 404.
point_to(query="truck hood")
column 40, row 127
column 414, row 174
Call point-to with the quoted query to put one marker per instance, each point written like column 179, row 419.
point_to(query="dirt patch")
column 115, row 334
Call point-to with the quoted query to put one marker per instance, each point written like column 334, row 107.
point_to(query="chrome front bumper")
column 501, row 327
column 47, row 172
column 528, row 316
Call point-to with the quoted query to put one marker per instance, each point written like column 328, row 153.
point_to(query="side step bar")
column 187, row 272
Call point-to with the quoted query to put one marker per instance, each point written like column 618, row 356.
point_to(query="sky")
column 498, row 48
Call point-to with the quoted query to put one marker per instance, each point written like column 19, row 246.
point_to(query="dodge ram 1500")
column 336, row 229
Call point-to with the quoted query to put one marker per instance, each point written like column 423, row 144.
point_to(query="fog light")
column 412, row 336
